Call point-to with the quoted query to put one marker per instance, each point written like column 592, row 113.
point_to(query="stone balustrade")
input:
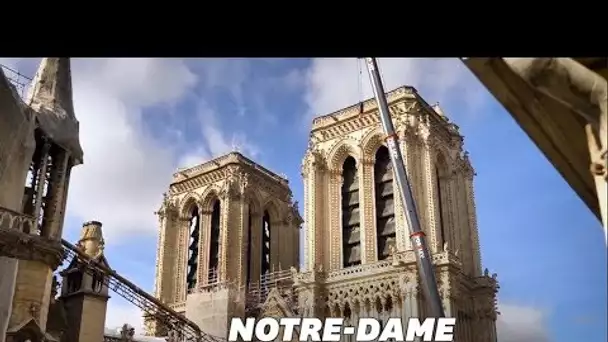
column 20, row 239
column 178, row 307
column 362, row 270
column 12, row 220
column 397, row 260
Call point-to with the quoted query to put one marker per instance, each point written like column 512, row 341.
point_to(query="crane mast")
column 417, row 236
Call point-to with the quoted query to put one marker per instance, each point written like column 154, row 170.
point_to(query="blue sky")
column 141, row 119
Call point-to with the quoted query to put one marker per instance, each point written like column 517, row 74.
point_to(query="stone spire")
column 52, row 86
column 91, row 239
column 50, row 96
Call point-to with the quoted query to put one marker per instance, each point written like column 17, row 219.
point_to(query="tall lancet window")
column 193, row 248
column 214, row 243
column 265, row 244
column 249, row 249
column 385, row 208
column 38, row 186
column 441, row 186
column 351, row 233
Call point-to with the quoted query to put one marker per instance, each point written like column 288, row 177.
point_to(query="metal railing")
column 257, row 292
column 17, row 79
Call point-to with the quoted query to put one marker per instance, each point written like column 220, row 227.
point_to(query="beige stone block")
column 92, row 324
column 32, row 292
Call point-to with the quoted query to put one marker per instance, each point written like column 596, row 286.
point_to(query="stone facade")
column 384, row 280
column 358, row 256
column 39, row 144
column 223, row 226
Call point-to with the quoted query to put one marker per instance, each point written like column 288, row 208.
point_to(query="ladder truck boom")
column 417, row 236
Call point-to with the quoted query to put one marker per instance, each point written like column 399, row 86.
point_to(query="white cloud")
column 519, row 323
column 216, row 140
column 140, row 81
column 127, row 168
column 335, row 83
column 229, row 74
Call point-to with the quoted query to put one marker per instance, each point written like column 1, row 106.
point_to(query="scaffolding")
column 257, row 292
column 17, row 79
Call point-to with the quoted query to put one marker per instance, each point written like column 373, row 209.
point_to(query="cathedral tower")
column 224, row 226
column 359, row 260
column 84, row 295
column 49, row 131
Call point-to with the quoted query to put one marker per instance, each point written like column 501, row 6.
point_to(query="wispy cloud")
column 522, row 323
column 334, row 83
column 126, row 169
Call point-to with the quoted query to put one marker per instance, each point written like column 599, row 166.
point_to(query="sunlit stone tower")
column 358, row 257
column 224, row 226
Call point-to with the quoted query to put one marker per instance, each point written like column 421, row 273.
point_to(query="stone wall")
column 211, row 311
column 16, row 149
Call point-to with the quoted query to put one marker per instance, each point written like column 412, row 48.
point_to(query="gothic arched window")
column 441, row 187
column 193, row 248
column 40, row 181
column 214, row 242
column 249, row 249
column 351, row 234
column 385, row 207
column 265, row 244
